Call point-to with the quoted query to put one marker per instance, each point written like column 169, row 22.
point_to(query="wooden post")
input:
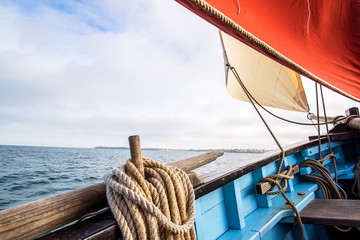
column 135, row 150
column 36, row 218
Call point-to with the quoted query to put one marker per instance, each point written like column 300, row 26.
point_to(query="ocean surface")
column 31, row 173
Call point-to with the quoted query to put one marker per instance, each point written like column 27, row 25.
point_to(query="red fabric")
column 329, row 47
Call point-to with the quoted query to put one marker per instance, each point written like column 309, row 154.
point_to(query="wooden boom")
column 33, row 219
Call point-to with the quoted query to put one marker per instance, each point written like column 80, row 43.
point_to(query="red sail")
column 316, row 38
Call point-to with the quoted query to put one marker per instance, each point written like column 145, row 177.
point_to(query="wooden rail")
column 197, row 161
column 39, row 217
column 36, row 218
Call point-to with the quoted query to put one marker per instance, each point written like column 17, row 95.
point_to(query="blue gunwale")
column 228, row 207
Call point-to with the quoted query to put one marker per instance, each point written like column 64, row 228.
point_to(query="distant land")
column 235, row 150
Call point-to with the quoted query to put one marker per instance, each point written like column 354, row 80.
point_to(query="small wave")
column 33, row 173
column 42, row 193
column 17, row 188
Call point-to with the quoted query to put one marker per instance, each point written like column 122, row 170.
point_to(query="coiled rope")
column 322, row 176
column 160, row 205
column 356, row 186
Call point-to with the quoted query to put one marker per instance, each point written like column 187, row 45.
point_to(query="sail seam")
column 207, row 7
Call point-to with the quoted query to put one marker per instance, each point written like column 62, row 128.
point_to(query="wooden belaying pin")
column 135, row 150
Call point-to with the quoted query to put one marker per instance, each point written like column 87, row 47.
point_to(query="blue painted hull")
column 228, row 205
column 234, row 210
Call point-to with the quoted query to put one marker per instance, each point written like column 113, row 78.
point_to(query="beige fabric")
column 270, row 83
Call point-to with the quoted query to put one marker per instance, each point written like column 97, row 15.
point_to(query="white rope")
column 157, row 206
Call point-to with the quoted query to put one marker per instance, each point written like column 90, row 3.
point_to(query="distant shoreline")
column 244, row 150
column 236, row 150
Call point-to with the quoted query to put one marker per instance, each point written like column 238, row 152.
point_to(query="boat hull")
column 236, row 211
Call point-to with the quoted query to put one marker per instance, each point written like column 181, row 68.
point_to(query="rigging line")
column 309, row 116
column 277, row 175
column 233, row 70
column 328, row 136
column 284, row 119
column 356, row 186
column 326, row 125
column 315, row 124
column 330, row 189
column 318, row 118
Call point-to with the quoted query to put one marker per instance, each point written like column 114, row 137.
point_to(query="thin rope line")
column 318, row 118
column 329, row 188
column 308, row 21
column 294, row 122
column 326, row 123
column 281, row 118
column 273, row 178
column 328, row 135
column 233, row 70
column 356, row 186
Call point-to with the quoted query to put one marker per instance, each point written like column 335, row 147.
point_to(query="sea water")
column 31, row 173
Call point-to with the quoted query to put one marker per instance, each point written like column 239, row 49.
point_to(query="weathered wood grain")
column 197, row 161
column 135, row 151
column 195, row 179
column 332, row 212
column 36, row 218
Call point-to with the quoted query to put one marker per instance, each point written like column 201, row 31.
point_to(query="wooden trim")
column 36, row 218
column 332, row 212
column 197, row 161
column 221, row 177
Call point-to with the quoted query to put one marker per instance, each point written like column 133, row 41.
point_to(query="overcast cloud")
column 90, row 73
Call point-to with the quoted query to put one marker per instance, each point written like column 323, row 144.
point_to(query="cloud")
column 88, row 73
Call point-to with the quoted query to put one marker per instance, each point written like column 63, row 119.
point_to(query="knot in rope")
column 276, row 179
column 159, row 205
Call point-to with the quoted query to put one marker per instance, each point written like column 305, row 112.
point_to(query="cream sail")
column 270, row 83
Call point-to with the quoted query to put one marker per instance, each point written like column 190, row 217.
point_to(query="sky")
column 91, row 73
